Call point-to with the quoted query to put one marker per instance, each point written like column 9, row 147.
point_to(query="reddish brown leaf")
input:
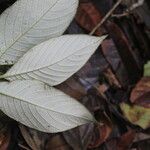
column 141, row 93
column 104, row 132
column 5, row 140
column 57, row 143
column 5, row 137
column 122, row 143
column 101, row 132
column 88, row 17
column 73, row 88
column 126, row 140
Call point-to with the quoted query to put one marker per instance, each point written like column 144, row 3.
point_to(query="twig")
column 136, row 5
column 106, row 17
column 129, row 10
column 24, row 147
column 120, row 15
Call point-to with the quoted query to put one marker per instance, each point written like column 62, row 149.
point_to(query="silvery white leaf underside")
column 41, row 107
column 55, row 60
column 29, row 22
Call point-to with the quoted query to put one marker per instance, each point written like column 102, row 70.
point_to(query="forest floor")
column 114, row 84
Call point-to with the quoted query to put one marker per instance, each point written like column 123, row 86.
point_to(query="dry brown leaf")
column 73, row 88
column 112, row 79
column 141, row 93
column 101, row 132
column 57, row 142
column 88, row 17
column 126, row 140
column 5, row 137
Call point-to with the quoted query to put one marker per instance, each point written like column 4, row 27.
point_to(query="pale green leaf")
column 137, row 115
column 147, row 69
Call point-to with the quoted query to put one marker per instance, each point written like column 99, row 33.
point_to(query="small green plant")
column 31, row 40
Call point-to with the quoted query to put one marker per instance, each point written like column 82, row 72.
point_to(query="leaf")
column 137, row 115
column 125, row 51
column 147, row 69
column 79, row 138
column 102, row 131
column 55, row 60
column 28, row 23
column 110, row 52
column 36, row 140
column 88, row 16
column 140, row 95
column 5, row 136
column 57, row 142
column 44, row 108
column 123, row 142
column 126, row 140
column 72, row 87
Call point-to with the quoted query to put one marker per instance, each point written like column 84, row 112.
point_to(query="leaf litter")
column 111, row 85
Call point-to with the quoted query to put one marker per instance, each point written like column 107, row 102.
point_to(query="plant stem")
column 106, row 17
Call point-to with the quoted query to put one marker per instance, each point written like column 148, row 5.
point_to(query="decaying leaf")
column 123, row 142
column 41, row 107
column 101, row 135
column 57, row 142
column 111, row 55
column 55, row 60
column 79, row 138
column 5, row 137
column 141, row 93
column 112, row 79
column 73, row 88
column 35, row 139
column 101, row 132
column 137, row 115
column 88, row 17
column 125, row 51
column 28, row 23
column 126, row 140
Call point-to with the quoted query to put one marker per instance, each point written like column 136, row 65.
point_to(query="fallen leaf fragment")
column 126, row 140
column 104, row 132
column 33, row 138
column 57, row 143
column 5, row 137
column 113, row 58
column 73, row 88
column 112, row 79
column 140, row 95
column 80, row 137
column 88, row 17
column 137, row 115
column 101, row 132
